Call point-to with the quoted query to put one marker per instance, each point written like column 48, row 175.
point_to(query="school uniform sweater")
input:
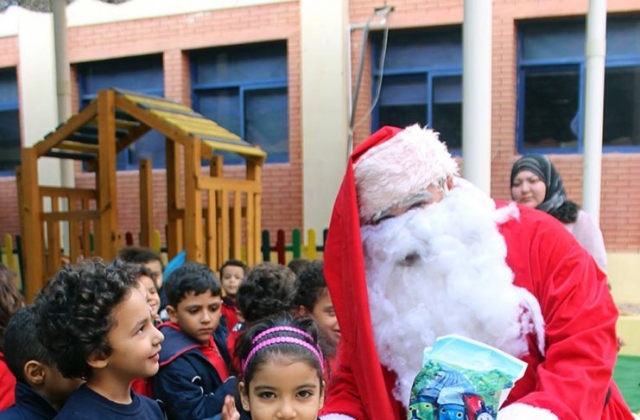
column 86, row 404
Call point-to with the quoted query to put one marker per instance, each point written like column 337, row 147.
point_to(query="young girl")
column 10, row 302
column 281, row 369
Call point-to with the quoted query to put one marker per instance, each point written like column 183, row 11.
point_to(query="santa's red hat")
column 390, row 165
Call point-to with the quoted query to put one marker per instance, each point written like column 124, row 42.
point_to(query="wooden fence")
column 273, row 248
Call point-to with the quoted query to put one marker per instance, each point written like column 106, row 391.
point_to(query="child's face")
column 56, row 387
column 197, row 315
column 134, row 340
column 325, row 315
column 283, row 389
column 153, row 299
column 156, row 269
column 231, row 278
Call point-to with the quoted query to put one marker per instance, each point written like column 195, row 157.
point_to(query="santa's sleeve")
column 343, row 401
column 574, row 378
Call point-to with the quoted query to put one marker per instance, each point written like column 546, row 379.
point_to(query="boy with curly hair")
column 194, row 375
column 41, row 390
column 95, row 322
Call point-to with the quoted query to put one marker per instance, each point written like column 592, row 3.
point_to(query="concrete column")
column 324, row 55
column 37, row 80
column 593, row 106
column 476, row 92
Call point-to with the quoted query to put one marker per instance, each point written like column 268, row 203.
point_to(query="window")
column 140, row 74
column 421, row 81
column 244, row 89
column 552, row 65
column 9, row 122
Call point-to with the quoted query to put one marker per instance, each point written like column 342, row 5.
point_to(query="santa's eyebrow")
column 410, row 200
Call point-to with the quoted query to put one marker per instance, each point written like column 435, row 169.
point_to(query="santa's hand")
column 519, row 411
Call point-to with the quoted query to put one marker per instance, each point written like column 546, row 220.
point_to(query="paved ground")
column 627, row 376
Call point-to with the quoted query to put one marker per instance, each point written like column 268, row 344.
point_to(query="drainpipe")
column 476, row 92
column 594, row 106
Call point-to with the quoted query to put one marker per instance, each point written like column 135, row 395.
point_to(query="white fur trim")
column 519, row 411
column 336, row 417
column 404, row 165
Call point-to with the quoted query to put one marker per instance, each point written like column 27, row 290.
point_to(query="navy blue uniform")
column 86, row 404
column 187, row 384
column 29, row 405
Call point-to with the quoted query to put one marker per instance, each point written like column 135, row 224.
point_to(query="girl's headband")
column 277, row 340
column 281, row 328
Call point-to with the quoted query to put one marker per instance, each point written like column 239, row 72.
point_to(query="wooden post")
column 74, row 231
column 53, row 240
column 106, row 235
column 237, row 224
column 32, row 228
column 174, row 228
column 193, row 233
column 254, row 173
column 216, row 171
column 146, row 202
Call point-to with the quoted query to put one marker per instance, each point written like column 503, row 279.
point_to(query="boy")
column 194, row 376
column 41, row 390
column 95, row 322
column 151, row 260
column 232, row 273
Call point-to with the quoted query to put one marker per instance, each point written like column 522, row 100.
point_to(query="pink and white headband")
column 276, row 340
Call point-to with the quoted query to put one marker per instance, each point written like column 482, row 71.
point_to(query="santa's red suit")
column 571, row 379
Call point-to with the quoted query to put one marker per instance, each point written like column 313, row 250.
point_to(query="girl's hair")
column 267, row 291
column 294, row 338
column 10, row 299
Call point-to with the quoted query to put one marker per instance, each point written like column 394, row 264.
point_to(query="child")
column 95, row 322
column 145, row 277
column 313, row 299
column 152, row 261
column 232, row 273
column 268, row 290
column 297, row 265
column 281, row 369
column 41, row 390
column 194, row 375
column 10, row 301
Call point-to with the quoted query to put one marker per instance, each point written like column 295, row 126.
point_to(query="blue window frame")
column 244, row 89
column 421, row 81
column 141, row 74
column 9, row 122
column 551, row 80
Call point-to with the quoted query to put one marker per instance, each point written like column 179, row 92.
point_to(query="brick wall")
column 174, row 36
column 620, row 217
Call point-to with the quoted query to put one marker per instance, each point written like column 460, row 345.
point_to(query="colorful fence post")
column 128, row 239
column 296, row 244
column 281, row 247
column 312, row 253
column 266, row 246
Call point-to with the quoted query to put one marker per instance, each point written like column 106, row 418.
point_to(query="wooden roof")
column 135, row 115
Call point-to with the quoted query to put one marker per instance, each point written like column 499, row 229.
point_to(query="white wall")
column 323, row 26
column 37, row 85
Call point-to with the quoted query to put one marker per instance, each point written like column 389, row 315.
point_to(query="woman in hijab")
column 535, row 182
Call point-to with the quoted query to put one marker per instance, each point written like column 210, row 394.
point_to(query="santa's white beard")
column 441, row 270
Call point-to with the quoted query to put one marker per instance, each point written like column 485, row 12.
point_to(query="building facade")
column 275, row 72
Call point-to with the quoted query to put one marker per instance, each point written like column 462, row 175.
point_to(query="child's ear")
column 34, row 372
column 244, row 397
column 301, row 311
column 97, row 360
column 173, row 313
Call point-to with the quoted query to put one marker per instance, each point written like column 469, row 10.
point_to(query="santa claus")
column 414, row 253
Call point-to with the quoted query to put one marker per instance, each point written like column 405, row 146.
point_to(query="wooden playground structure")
column 215, row 219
